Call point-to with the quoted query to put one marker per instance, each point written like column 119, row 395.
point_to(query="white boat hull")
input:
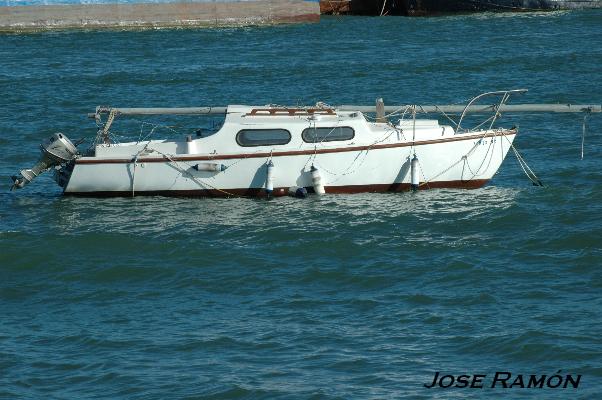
column 467, row 160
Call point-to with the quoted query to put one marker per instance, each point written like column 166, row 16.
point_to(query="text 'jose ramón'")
column 505, row 380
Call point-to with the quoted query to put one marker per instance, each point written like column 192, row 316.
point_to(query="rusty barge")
column 434, row 7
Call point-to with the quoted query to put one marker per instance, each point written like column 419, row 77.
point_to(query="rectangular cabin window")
column 315, row 135
column 262, row 137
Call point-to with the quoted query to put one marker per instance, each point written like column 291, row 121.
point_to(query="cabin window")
column 314, row 135
column 262, row 137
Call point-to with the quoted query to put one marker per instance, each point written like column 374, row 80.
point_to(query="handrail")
column 505, row 96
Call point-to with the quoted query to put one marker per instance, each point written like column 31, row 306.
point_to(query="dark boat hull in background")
column 425, row 7
column 433, row 7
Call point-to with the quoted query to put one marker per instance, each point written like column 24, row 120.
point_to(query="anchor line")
column 583, row 134
column 525, row 167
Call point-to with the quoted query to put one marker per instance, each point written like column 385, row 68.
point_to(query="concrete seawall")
column 156, row 15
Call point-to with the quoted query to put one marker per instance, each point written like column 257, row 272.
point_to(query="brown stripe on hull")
column 260, row 192
column 293, row 153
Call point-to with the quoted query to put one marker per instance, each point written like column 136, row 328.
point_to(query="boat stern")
column 58, row 152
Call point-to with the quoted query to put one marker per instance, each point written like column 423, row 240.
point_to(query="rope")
column 413, row 128
column 136, row 164
column 583, row 135
column 152, row 131
column 463, row 158
column 383, row 9
column 446, row 116
column 184, row 171
column 525, row 167
column 178, row 167
column 423, row 176
column 426, row 182
column 391, row 114
column 483, row 161
column 134, row 174
column 105, row 130
column 347, row 171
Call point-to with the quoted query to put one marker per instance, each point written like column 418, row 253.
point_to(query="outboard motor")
column 57, row 150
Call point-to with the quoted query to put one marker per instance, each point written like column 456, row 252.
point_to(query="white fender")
column 317, row 181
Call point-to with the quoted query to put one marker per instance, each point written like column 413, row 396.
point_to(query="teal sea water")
column 340, row 297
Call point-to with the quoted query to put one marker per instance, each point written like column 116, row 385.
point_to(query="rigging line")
column 446, row 116
column 314, row 155
column 483, row 123
column 134, row 175
column 367, row 150
column 155, row 126
column 346, row 171
column 383, row 9
column 402, row 135
column 114, row 138
column 583, row 135
column 493, row 152
column 136, row 164
column 426, row 182
column 107, row 126
column 413, row 128
column 496, row 109
column 464, row 157
column 396, row 112
column 185, row 172
column 328, row 134
column 484, row 158
column 474, row 174
column 422, row 172
column 391, row 114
